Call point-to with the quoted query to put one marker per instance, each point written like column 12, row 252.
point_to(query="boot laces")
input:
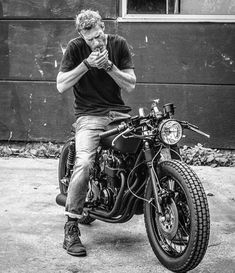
column 74, row 231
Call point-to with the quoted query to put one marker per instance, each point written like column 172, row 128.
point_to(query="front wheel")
column 179, row 236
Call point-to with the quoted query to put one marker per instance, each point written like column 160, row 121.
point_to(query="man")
column 98, row 66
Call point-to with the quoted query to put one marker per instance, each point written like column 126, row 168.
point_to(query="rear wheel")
column 179, row 237
column 65, row 170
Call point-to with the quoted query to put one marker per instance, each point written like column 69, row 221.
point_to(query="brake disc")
column 169, row 221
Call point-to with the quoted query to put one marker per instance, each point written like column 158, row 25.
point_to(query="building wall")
column 189, row 64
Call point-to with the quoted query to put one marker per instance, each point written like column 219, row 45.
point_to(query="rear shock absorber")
column 70, row 158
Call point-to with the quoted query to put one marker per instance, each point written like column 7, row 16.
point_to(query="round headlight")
column 170, row 132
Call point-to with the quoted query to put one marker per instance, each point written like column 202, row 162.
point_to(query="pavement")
column 31, row 226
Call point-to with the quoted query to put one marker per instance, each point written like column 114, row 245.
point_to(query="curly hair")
column 87, row 19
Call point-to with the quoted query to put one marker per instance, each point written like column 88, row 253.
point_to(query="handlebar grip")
column 112, row 131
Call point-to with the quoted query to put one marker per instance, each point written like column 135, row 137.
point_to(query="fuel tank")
column 122, row 144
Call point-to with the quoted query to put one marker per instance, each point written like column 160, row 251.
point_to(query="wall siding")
column 182, row 52
column 35, row 111
column 55, row 9
column 211, row 107
column 32, row 50
column 162, row 52
column 189, row 64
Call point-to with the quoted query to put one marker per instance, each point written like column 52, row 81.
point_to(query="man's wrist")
column 108, row 66
column 87, row 64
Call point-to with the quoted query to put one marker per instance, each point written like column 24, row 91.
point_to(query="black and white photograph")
column 117, row 136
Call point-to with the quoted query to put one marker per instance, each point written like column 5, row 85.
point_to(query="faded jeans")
column 87, row 140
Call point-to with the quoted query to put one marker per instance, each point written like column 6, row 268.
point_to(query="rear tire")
column 62, row 171
column 180, row 238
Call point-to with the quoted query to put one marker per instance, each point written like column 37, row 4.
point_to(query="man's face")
column 95, row 38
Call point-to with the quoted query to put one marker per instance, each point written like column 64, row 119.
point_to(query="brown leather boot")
column 72, row 242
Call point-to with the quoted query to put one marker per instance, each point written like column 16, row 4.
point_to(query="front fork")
column 153, row 175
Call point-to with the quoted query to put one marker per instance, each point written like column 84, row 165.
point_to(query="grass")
column 197, row 155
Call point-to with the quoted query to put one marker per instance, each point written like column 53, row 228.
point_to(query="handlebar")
column 114, row 131
column 199, row 131
column 194, row 128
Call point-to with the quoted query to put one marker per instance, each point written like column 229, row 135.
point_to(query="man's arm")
column 66, row 80
column 125, row 78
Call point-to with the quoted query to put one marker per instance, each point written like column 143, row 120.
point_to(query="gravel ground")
column 31, row 226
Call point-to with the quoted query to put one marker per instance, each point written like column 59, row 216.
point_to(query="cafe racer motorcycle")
column 139, row 170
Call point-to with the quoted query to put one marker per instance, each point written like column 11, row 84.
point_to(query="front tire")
column 64, row 175
column 179, row 238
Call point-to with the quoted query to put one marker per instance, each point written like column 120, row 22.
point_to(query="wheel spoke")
column 171, row 184
column 177, row 245
column 172, row 248
column 184, row 229
column 168, row 246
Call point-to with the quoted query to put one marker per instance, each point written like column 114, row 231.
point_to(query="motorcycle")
column 139, row 170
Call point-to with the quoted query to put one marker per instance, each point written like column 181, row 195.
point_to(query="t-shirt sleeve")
column 69, row 60
column 126, row 61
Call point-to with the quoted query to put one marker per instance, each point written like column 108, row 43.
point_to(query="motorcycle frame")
column 127, row 204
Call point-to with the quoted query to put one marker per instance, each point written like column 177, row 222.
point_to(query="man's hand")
column 98, row 59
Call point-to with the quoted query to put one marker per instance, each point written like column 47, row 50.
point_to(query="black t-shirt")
column 96, row 93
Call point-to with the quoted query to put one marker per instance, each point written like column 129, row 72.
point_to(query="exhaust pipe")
column 61, row 199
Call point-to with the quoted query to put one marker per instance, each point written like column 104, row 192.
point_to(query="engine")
column 105, row 180
column 109, row 180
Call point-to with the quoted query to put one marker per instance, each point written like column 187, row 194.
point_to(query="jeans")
column 87, row 140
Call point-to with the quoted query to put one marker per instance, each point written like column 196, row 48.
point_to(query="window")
column 153, row 6
column 177, row 10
